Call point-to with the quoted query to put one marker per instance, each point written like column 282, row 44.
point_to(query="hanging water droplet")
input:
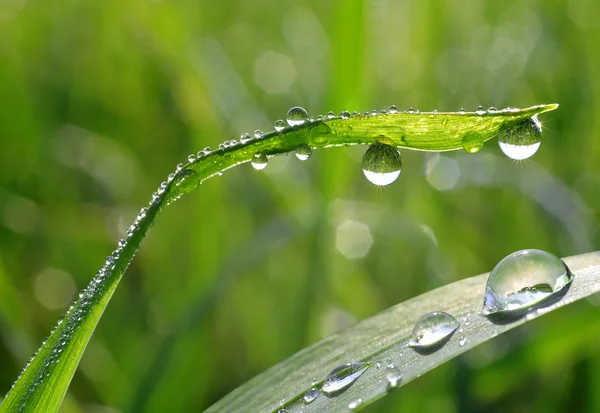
column 393, row 377
column 393, row 109
column 319, row 134
column 522, row 140
column 279, row 125
column 345, row 114
column 472, row 142
column 432, row 329
column 303, row 152
column 258, row 134
column 342, row 377
column 411, row 110
column 311, row 395
column 354, row 404
column 523, row 279
column 480, row 110
column 382, row 164
column 492, row 110
column 296, row 116
column 259, row 161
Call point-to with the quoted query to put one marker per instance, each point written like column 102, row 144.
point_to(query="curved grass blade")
column 383, row 340
column 44, row 381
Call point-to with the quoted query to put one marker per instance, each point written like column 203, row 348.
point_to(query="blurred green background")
column 100, row 99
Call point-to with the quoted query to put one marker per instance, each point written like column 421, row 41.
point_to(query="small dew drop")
column 393, row 377
column 259, row 161
column 191, row 158
column 461, row 111
column 492, row 110
column 524, row 279
column 345, row 114
column 472, row 142
column 382, row 164
column 279, row 125
column 354, row 404
column 330, row 114
column 245, row 138
column 435, row 112
column 462, row 341
column 480, row 110
column 432, row 329
column 296, row 116
column 411, row 110
column 258, row 134
column 523, row 140
column 311, row 395
column 342, row 377
column 303, row 152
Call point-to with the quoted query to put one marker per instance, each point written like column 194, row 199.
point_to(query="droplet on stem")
column 296, row 116
column 432, row 329
column 382, row 164
column 523, row 140
column 342, row 377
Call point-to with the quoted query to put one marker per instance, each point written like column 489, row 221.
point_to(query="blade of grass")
column 382, row 340
column 46, row 378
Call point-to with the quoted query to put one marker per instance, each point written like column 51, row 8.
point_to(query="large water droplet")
column 303, row 152
column 296, row 116
column 382, row 164
column 432, row 329
column 480, row 110
column 259, row 161
column 311, row 395
column 472, row 142
column 523, row 279
column 342, row 377
column 279, row 125
column 522, row 140
column 186, row 181
column 393, row 109
column 320, row 134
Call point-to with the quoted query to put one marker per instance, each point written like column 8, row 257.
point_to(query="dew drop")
column 523, row 279
column 411, row 110
column 522, row 140
column 480, row 110
column 435, row 112
column 492, row 110
column 303, row 152
column 382, row 164
column 330, row 114
column 245, row 138
column 191, row 158
column 296, row 116
column 186, row 181
column 259, row 161
column 472, row 142
column 319, row 134
column 342, row 377
column 432, row 329
column 461, row 111
column 279, row 125
column 345, row 114
column 393, row 377
column 258, row 134
column 311, row 395
column 354, row 404
column 462, row 341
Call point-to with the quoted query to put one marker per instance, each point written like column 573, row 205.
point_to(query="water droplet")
column 411, row 110
column 345, row 114
column 303, row 152
column 522, row 140
column 472, row 142
column 382, row 164
column 279, row 125
column 245, row 138
column 330, row 114
column 461, row 111
column 393, row 109
column 492, row 110
column 523, row 279
column 179, row 167
column 186, row 181
column 480, row 110
column 311, row 395
column 342, row 377
column 296, row 116
column 435, row 112
column 383, row 112
column 393, row 377
column 354, row 404
column 258, row 134
column 259, row 161
column 374, row 113
column 191, row 158
column 319, row 134
column 462, row 341
column 432, row 329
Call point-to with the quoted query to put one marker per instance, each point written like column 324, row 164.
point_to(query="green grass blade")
column 45, row 380
column 382, row 340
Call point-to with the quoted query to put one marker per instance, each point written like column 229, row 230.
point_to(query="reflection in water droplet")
column 311, row 395
column 296, row 116
column 393, row 377
column 393, row 109
column 523, row 279
column 186, row 181
column 354, row 404
column 259, row 161
column 320, row 134
column 522, row 140
column 435, row 112
column 303, row 152
column 480, row 110
column 279, row 125
column 432, row 329
column 342, row 377
column 472, row 142
column 382, row 164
